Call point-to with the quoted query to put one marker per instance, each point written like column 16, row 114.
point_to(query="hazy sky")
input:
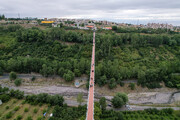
column 127, row 11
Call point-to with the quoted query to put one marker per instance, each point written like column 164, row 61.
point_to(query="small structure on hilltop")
column 90, row 26
column 46, row 22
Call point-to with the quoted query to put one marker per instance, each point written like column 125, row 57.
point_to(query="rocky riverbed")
column 70, row 92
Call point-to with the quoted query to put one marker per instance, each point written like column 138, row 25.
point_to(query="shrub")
column 9, row 115
column 69, row 76
column 121, row 84
column 4, row 98
column 17, row 94
column 19, row 117
column 14, row 101
column 39, row 118
column 178, row 86
column 26, row 109
column 102, row 103
column 44, row 111
column 7, row 107
column 112, row 84
column 1, row 71
column 3, row 90
column 132, row 86
column 33, row 78
column 168, row 110
column 23, row 102
column 29, row 118
column 80, row 98
column 119, row 100
column 35, row 110
column 12, row 76
column 40, row 104
column 16, row 108
column 18, row 82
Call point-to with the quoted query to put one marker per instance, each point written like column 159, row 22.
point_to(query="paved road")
column 90, row 107
column 6, row 76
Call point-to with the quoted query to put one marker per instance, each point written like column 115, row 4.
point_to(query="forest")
column 149, row 58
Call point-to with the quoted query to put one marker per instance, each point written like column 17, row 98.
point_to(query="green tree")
column 97, row 111
column 12, row 76
column 119, row 100
column 61, row 71
column 4, row 97
column 1, row 71
column 77, row 73
column 26, row 109
column 61, row 25
column 120, row 116
column 46, row 71
column 132, row 86
column 29, row 118
column 80, row 98
column 69, row 76
column 33, row 78
column 19, row 117
column 102, row 81
column 141, row 78
column 102, row 103
column 112, row 83
column 18, row 82
column 3, row 16
column 114, row 28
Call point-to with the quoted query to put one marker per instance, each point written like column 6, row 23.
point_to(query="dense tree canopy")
column 150, row 58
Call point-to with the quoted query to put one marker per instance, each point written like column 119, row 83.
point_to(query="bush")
column 112, row 83
column 69, row 76
column 4, row 98
column 18, row 82
column 40, row 104
column 12, row 76
column 26, row 109
column 14, row 101
column 17, row 94
column 23, row 102
column 119, row 100
column 168, row 110
column 7, row 107
column 3, row 90
column 33, row 78
column 35, row 110
column 19, row 117
column 121, row 84
column 39, row 118
column 1, row 71
column 16, row 108
column 132, row 86
column 44, row 111
column 102, row 103
column 29, row 118
column 9, row 115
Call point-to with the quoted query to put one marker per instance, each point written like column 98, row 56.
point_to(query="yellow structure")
column 47, row 21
